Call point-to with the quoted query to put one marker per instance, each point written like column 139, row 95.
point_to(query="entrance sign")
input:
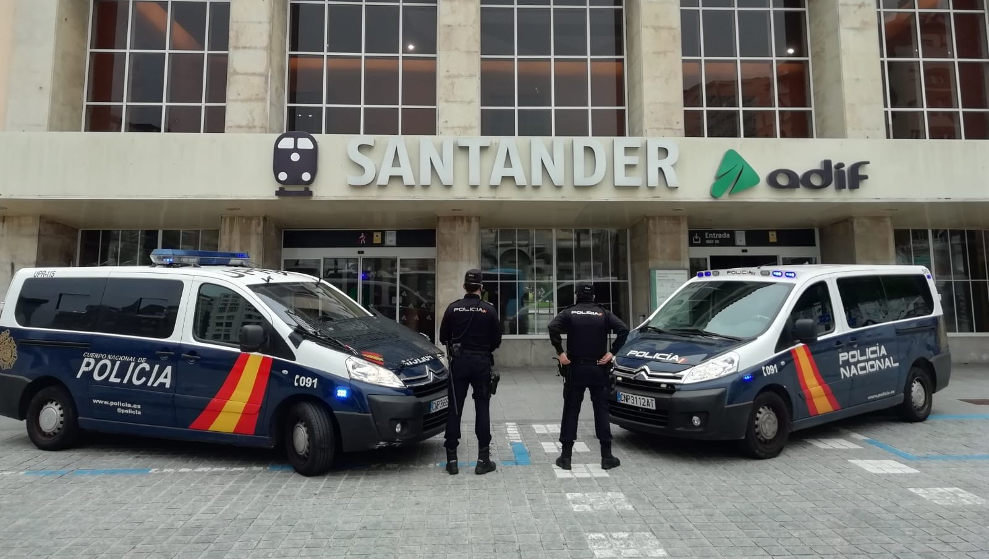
column 631, row 162
column 662, row 284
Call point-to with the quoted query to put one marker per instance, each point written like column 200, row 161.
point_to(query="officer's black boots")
column 563, row 461
column 484, row 462
column 608, row 461
column 451, row 461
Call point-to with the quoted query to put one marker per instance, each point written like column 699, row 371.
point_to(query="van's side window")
column 71, row 304
column 220, row 313
column 141, row 307
column 814, row 303
column 908, row 296
column 864, row 300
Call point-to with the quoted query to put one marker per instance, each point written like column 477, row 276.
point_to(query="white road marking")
column 883, row 466
column 624, row 545
column 948, row 496
column 598, row 501
column 546, row 428
column 514, row 435
column 833, row 443
column 581, row 470
column 854, row 435
column 556, row 447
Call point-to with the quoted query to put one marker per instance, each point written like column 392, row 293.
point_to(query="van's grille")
column 647, row 385
column 658, row 418
column 428, row 388
column 434, row 419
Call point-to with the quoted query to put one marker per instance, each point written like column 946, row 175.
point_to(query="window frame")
column 167, row 52
column 588, row 9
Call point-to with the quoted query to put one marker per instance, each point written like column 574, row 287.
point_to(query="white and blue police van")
column 200, row 346
column 753, row 354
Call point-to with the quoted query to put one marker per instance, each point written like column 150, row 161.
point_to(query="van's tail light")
column 942, row 335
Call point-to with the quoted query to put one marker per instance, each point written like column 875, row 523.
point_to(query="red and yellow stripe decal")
column 817, row 393
column 235, row 407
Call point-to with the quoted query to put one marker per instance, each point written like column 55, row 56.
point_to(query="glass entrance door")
column 400, row 288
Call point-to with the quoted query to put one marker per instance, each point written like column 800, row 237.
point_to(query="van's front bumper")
column 394, row 420
column 675, row 412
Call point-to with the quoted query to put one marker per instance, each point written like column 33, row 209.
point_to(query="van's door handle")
column 192, row 357
column 838, row 343
column 164, row 354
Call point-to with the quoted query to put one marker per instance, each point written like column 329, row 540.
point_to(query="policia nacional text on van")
column 222, row 353
column 752, row 354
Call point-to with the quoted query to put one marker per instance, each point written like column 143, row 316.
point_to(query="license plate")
column 637, row 400
column 440, row 404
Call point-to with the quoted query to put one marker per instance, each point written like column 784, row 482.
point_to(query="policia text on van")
column 751, row 354
column 222, row 353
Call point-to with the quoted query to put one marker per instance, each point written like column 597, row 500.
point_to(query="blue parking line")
column 280, row 468
column 911, row 457
column 521, row 454
column 958, row 417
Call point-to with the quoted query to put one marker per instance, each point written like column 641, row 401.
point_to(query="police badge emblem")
column 8, row 351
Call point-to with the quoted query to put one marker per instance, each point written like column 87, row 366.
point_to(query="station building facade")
column 628, row 143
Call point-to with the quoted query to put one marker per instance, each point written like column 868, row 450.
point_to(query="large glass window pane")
column 535, row 122
column 130, row 246
column 796, row 124
column 419, row 30
column 608, row 122
column 305, row 79
column 571, row 83
column 959, row 255
column 942, row 254
column 980, row 306
column 970, row 35
column 564, row 255
column 183, row 118
column 542, row 255
column 219, row 26
column 216, row 78
column 343, row 32
column 534, row 32
column 188, row 29
column 901, row 243
column 419, row 121
column 943, row 125
column 109, row 29
column 963, row 305
column 305, row 119
column 89, row 247
column 384, row 21
column 721, row 84
column 143, row 118
column 146, row 79
column 693, row 124
column 570, row 32
column 419, row 81
column 690, row 33
column 790, row 33
column 190, row 240
column 343, row 81
column 185, row 78
column 215, row 120
column 209, row 239
column 497, row 31
column 973, row 80
column 693, row 90
column 757, row 84
column 901, row 35
column 759, row 124
column 793, row 83
column 754, row 35
column 380, row 81
column 380, row 121
column 571, row 122
column 601, row 254
column 343, row 120
column 977, row 255
column 904, row 84
column 534, row 85
column 607, row 83
column 921, row 243
column 498, row 122
column 149, row 22
column 976, row 125
column 939, row 84
column 497, row 83
column 719, row 33
column 306, row 31
column 935, row 35
column 723, row 124
column 607, row 33
column 907, row 124
column 106, row 77
column 110, row 247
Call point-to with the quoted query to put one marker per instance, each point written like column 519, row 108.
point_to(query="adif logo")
column 657, row 357
column 734, row 175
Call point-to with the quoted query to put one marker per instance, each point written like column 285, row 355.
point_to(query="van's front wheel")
column 917, row 398
column 310, row 442
column 52, row 423
column 768, row 428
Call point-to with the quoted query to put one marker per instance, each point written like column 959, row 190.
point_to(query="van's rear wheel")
column 918, row 397
column 310, row 442
column 52, row 423
column 768, row 428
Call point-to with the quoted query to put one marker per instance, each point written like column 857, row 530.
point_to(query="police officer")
column 586, row 365
column 471, row 331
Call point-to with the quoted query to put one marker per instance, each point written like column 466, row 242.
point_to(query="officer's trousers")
column 594, row 378
column 470, row 370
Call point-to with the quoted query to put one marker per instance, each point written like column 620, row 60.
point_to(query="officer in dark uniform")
column 586, row 365
column 471, row 331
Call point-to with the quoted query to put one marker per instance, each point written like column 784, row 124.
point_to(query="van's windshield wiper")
column 702, row 332
column 650, row 328
column 305, row 327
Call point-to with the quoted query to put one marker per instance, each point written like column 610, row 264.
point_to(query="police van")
column 202, row 347
column 753, row 354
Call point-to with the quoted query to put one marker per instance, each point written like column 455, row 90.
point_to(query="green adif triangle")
column 734, row 175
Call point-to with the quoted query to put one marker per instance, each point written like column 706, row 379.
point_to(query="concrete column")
column 29, row 241
column 653, row 66
column 458, row 249
column 256, row 67
column 458, row 68
column 256, row 235
column 845, row 75
column 6, row 52
column 862, row 240
column 656, row 242
column 46, row 70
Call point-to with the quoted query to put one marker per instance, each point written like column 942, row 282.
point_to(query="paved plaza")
column 871, row 486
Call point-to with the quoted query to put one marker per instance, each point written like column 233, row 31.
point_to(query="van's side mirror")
column 252, row 338
column 805, row 330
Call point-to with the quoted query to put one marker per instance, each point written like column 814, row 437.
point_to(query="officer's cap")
column 473, row 276
column 585, row 292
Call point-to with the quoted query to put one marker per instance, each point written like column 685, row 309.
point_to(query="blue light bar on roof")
column 172, row 257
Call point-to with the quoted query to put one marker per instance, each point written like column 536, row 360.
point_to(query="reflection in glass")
column 497, row 31
column 721, row 84
column 534, row 32
column 497, row 83
column 571, row 83
column 534, row 83
column 690, row 34
column 498, row 122
column 104, row 118
column 343, row 33
column 216, row 78
column 380, row 121
column 757, row 84
column 692, row 88
column 106, row 77
column 608, row 122
column 185, row 78
column 305, row 79
column 418, row 121
column 790, row 33
column 607, row 34
column 419, row 30
column 146, row 77
column 149, row 21
column 939, row 83
column 569, row 33
column 384, row 38
column 976, row 125
column 571, row 122
column 796, row 124
column 306, row 31
column 183, row 118
column 722, row 124
column 943, row 125
column 143, row 118
column 974, row 84
column 343, row 80
column 607, row 83
column 693, row 124
column 535, row 122
column 381, row 81
column 306, row 119
column 219, row 26
column 754, row 35
column 907, row 124
column 343, row 120
column 109, row 30
column 719, row 33
column 216, row 118
column 793, row 83
column 935, row 35
column 188, row 26
column 901, row 35
column 759, row 124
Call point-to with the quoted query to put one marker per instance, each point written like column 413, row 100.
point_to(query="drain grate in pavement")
column 984, row 402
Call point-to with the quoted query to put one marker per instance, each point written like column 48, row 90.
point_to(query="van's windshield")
column 726, row 309
column 312, row 303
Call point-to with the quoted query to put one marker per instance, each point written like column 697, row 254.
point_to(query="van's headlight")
column 367, row 372
column 721, row 366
